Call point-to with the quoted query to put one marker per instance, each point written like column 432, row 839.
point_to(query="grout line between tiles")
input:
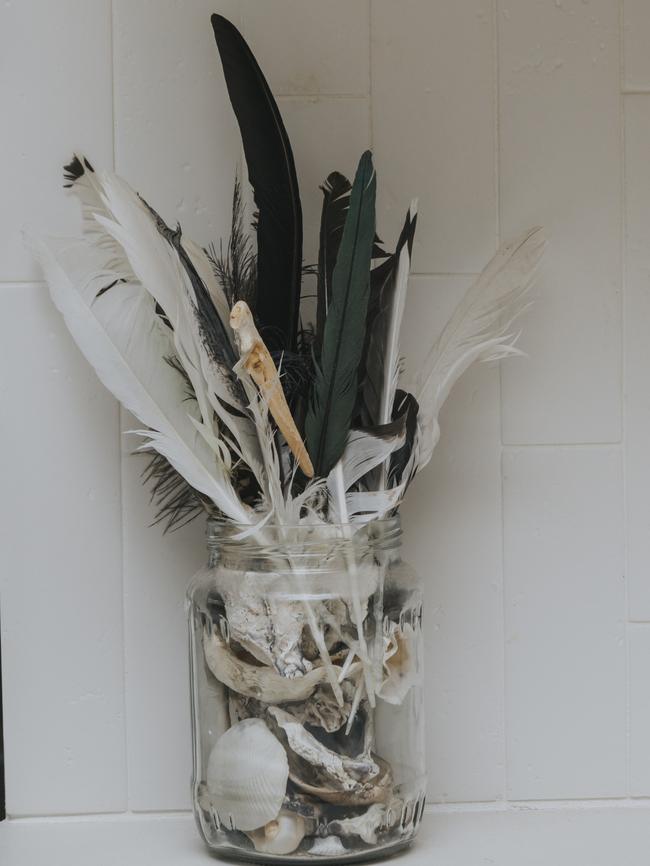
column 544, row 445
column 23, row 284
column 497, row 222
column 120, row 415
column 317, row 96
column 623, row 411
column 476, row 807
column 371, row 122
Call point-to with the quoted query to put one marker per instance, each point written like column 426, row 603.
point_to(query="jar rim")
column 305, row 537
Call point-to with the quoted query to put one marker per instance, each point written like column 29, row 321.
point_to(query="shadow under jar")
column 306, row 667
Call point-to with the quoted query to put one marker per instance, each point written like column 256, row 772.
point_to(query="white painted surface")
column 564, row 623
column 560, row 166
column 452, row 523
column 497, row 118
column 60, row 581
column 55, row 95
column 434, row 127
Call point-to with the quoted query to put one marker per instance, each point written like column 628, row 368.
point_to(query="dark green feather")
column 334, row 390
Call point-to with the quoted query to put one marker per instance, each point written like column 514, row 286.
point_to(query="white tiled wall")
column 531, row 526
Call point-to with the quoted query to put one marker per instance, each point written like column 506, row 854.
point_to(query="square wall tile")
column 560, row 166
column 176, row 138
column 307, row 47
column 565, row 623
column 433, row 127
column 452, row 523
column 61, row 576
column 640, row 710
column 637, row 353
column 636, row 37
column 55, row 93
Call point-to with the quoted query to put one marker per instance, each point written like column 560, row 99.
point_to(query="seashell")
column 365, row 826
column 328, row 846
column 282, row 835
column 325, row 774
column 401, row 663
column 247, row 775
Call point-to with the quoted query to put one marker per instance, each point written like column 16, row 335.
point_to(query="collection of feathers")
column 249, row 413
column 256, row 417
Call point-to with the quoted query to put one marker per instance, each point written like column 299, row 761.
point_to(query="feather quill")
column 272, row 174
column 334, row 391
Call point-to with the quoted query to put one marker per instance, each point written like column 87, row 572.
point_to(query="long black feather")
column 334, row 390
column 336, row 201
column 272, row 174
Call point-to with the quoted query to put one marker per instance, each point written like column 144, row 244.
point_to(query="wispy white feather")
column 363, row 453
column 479, row 329
column 126, row 342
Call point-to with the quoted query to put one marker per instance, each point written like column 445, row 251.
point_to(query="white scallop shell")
column 280, row 836
column 247, row 775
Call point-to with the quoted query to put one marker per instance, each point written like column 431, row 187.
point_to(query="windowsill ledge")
column 562, row 835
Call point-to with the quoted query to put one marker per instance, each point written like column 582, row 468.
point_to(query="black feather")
column 272, row 174
column 334, row 391
column 236, row 268
column 405, row 407
column 336, row 201
column 382, row 295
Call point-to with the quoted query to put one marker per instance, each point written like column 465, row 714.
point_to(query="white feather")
column 122, row 337
column 392, row 349
column 363, row 452
column 157, row 266
column 479, row 329
column 204, row 269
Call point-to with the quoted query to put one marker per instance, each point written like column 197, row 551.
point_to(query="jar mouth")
column 303, row 539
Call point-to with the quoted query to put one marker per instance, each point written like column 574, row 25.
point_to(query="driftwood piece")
column 261, row 368
column 263, row 683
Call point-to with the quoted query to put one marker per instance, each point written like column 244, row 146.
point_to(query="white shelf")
column 591, row 836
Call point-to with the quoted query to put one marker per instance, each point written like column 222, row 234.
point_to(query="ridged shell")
column 247, row 775
column 280, row 836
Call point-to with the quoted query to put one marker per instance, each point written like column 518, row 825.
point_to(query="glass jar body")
column 306, row 681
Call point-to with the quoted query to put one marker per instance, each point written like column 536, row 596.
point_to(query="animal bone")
column 262, row 683
column 259, row 364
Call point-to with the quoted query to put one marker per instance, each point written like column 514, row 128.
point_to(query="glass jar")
column 306, row 681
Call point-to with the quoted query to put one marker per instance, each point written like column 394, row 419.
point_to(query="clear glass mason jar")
column 306, row 682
